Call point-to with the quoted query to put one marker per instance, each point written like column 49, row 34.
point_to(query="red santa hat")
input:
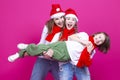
column 56, row 11
column 71, row 13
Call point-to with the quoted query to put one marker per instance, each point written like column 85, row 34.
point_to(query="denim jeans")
column 42, row 67
column 67, row 71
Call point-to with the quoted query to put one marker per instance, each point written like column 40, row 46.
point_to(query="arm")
column 79, row 39
column 43, row 35
column 43, row 41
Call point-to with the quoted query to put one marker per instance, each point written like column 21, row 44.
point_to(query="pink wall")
column 23, row 20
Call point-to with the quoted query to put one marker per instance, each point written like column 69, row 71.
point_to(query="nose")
column 96, row 39
column 60, row 21
column 70, row 21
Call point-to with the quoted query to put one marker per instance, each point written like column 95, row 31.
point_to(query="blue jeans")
column 42, row 67
column 67, row 71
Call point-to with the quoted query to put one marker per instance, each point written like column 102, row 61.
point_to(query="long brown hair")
column 50, row 23
column 106, row 45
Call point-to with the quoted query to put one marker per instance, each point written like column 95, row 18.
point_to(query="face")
column 59, row 21
column 70, row 22
column 99, row 39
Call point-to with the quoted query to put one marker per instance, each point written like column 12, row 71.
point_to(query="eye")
column 56, row 18
column 73, row 19
column 61, row 17
column 67, row 18
column 99, row 37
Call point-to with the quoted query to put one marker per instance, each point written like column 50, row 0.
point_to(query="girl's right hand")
column 90, row 47
column 85, row 42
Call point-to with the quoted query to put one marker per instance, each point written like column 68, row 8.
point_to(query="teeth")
column 69, row 25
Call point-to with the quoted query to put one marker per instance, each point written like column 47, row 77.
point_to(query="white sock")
column 22, row 46
column 13, row 57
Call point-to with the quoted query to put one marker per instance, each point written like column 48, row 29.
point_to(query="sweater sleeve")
column 43, row 35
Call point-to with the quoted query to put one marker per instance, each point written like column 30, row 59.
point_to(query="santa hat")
column 71, row 13
column 56, row 11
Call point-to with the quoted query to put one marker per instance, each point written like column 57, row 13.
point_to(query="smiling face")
column 99, row 39
column 59, row 21
column 70, row 22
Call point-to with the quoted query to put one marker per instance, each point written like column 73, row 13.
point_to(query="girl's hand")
column 85, row 42
column 46, row 56
column 90, row 47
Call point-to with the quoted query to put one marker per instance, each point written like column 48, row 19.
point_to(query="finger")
column 44, row 52
column 46, row 56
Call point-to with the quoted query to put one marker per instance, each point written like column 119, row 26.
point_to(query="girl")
column 77, row 49
column 50, row 34
column 66, row 69
column 71, row 20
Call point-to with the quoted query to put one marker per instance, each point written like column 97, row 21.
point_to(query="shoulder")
column 84, row 34
column 45, row 29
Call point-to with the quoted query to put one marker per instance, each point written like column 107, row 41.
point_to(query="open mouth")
column 60, row 24
column 69, row 25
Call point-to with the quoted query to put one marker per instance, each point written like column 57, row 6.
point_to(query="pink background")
column 23, row 20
